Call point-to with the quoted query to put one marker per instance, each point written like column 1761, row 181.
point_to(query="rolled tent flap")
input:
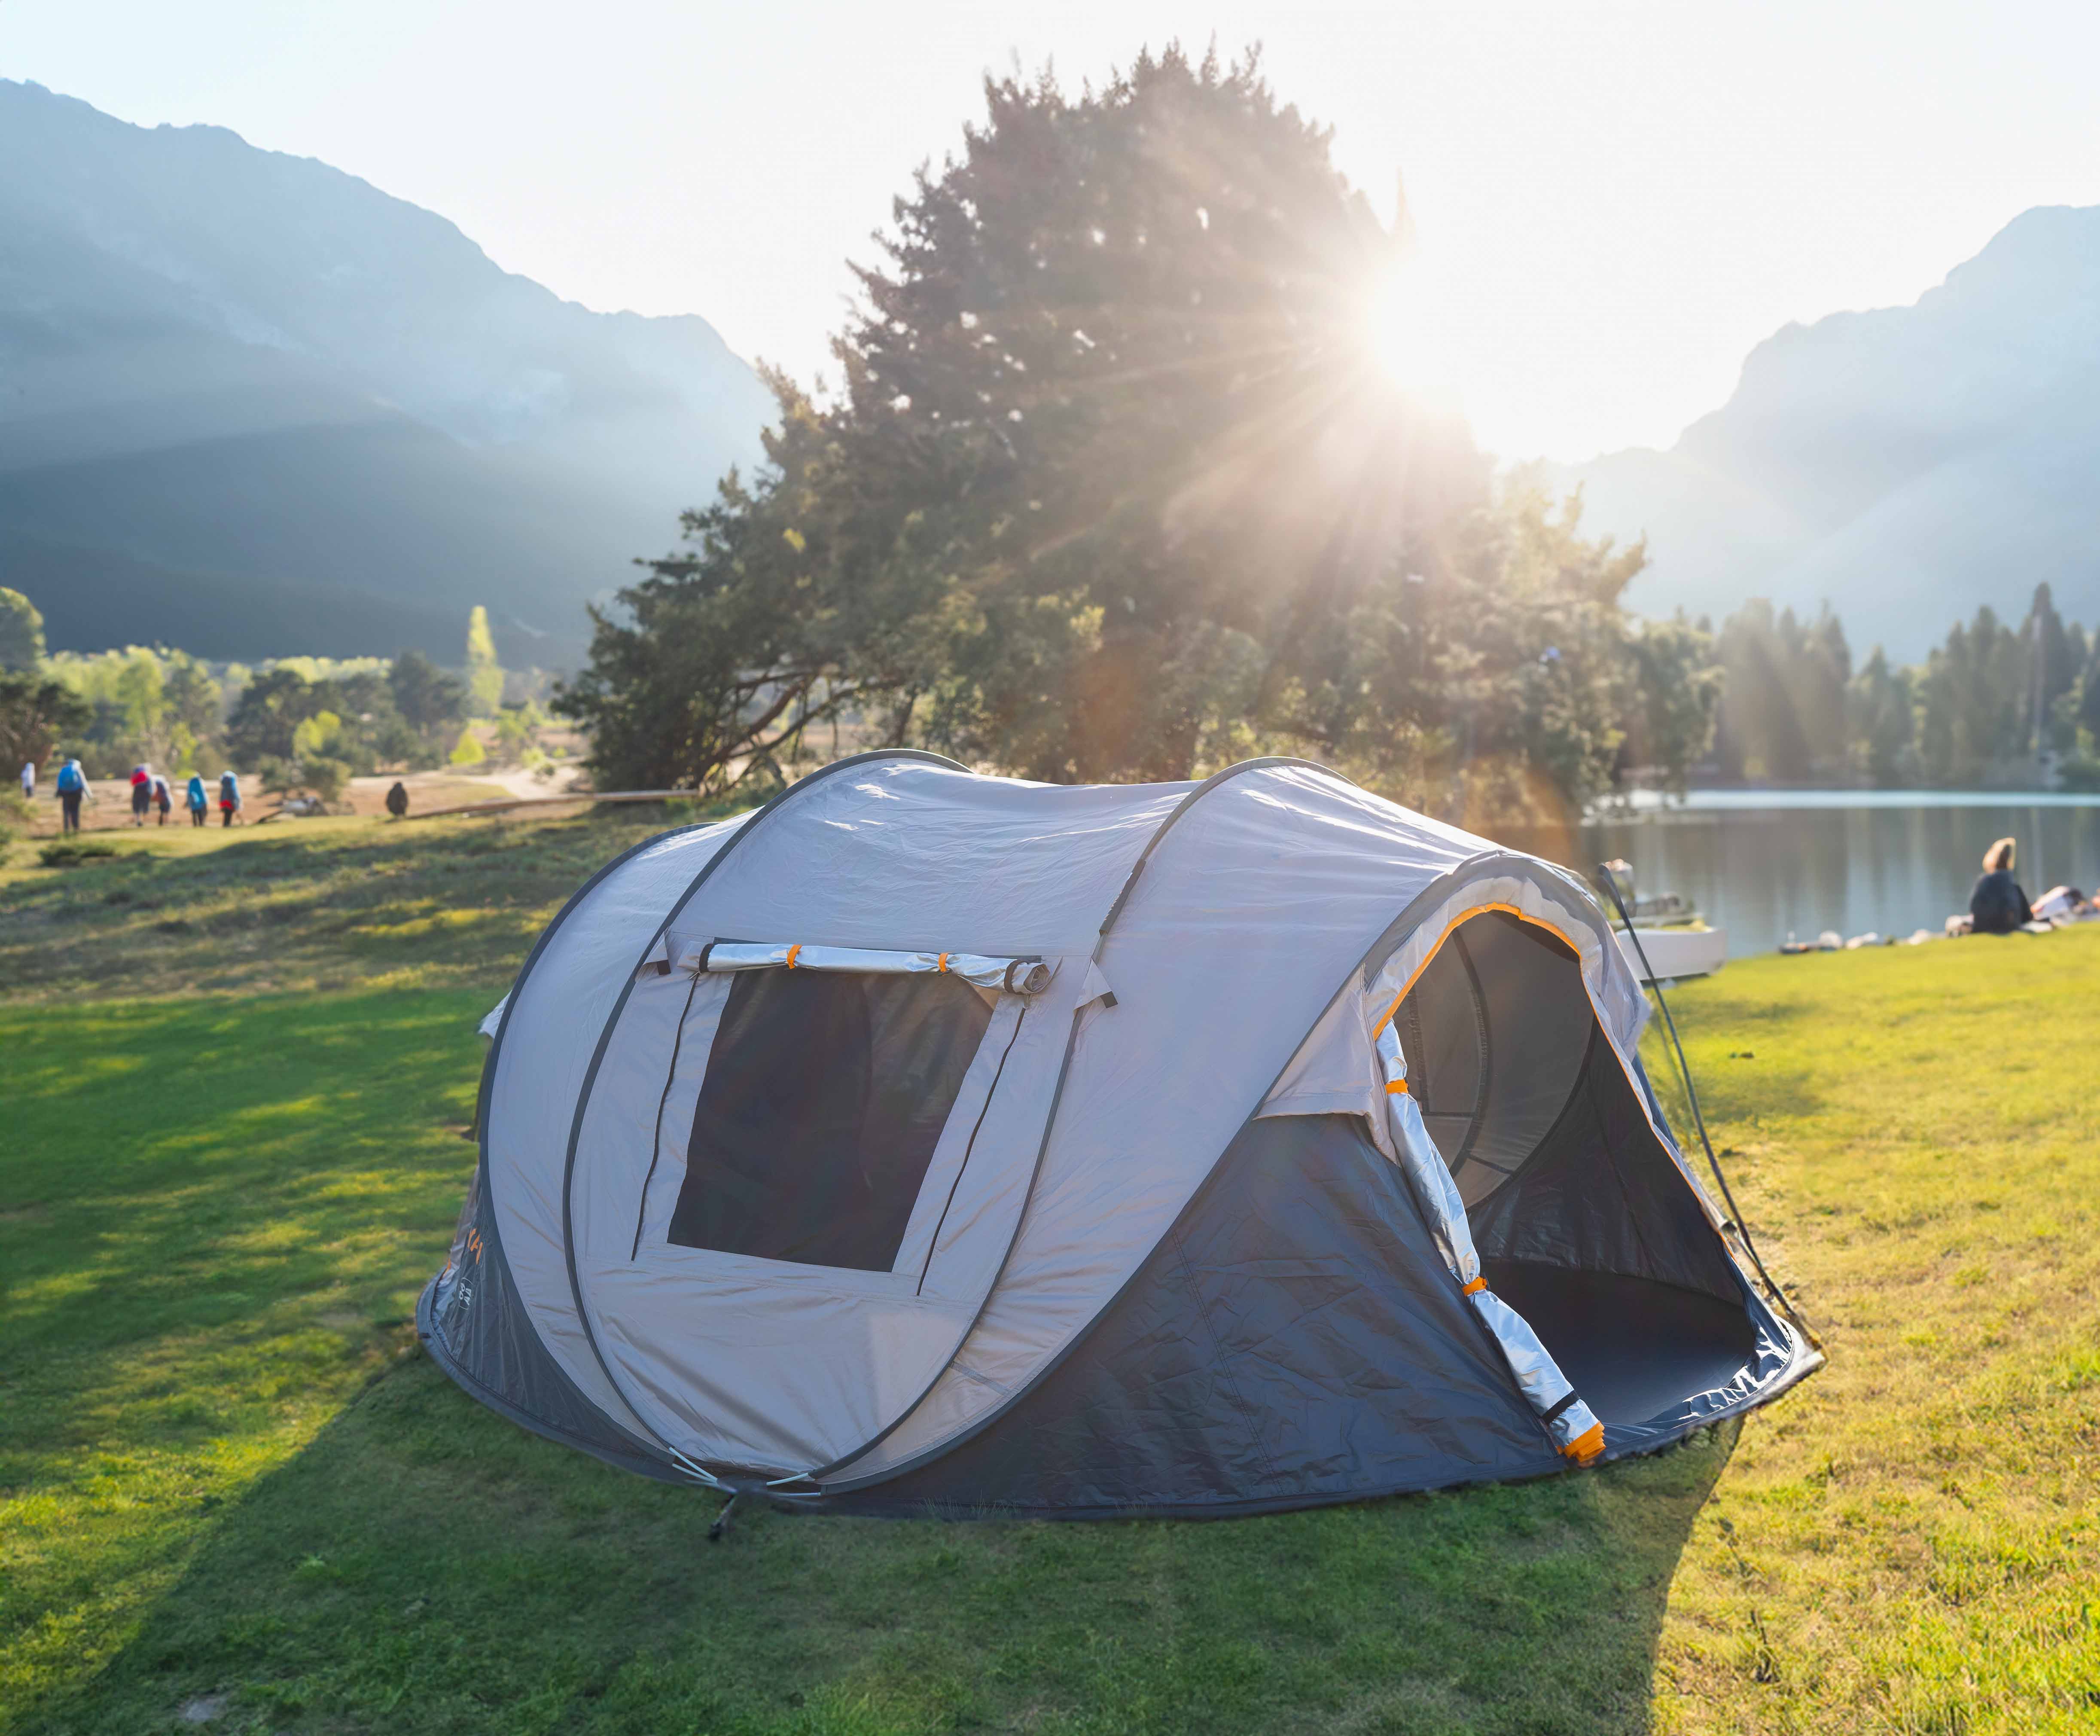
column 1576, row 1430
column 1015, row 976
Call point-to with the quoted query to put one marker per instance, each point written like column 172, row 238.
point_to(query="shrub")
column 2078, row 773
column 70, row 854
column 327, row 778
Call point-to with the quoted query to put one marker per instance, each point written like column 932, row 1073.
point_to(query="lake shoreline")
column 1644, row 804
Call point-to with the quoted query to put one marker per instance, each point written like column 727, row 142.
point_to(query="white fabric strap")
column 1573, row 1426
column 1015, row 976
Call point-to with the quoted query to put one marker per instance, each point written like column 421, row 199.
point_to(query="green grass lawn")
column 238, row 1076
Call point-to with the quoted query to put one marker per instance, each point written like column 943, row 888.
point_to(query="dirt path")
column 111, row 811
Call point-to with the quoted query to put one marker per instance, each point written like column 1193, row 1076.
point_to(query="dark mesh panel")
column 824, row 1096
column 1602, row 1195
column 1442, row 1033
column 1493, row 1031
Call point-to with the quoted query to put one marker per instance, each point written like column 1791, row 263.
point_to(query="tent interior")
column 1582, row 1221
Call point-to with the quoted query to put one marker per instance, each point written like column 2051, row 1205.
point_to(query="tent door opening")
column 1582, row 1221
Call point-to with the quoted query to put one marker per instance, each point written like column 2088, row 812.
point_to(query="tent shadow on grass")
column 423, row 1566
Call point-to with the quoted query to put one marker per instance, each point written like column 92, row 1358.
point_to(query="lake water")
column 1767, row 863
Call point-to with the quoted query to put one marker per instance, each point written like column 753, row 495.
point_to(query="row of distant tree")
column 308, row 723
column 1994, row 705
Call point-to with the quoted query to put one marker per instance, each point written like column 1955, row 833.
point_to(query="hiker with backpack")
column 198, row 804
column 142, row 793
column 229, row 797
column 72, row 791
column 164, row 799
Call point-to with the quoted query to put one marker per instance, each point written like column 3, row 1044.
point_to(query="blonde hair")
column 1999, row 855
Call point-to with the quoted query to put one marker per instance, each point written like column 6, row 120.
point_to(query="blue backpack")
column 69, row 779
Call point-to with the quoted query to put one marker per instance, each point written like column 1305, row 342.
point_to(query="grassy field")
column 234, row 1496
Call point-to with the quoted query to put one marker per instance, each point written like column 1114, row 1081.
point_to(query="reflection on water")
column 1886, row 861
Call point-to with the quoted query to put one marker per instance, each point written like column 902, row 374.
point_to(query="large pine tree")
column 1115, row 374
column 1114, row 488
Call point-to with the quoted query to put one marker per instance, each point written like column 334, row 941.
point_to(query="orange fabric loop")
column 1477, row 1285
column 943, row 966
column 1396, row 1088
column 792, row 952
column 1587, row 1447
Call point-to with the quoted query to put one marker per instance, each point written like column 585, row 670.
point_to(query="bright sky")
column 1615, row 201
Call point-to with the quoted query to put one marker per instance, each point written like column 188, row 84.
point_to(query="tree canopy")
column 21, row 633
column 1114, row 487
column 37, row 714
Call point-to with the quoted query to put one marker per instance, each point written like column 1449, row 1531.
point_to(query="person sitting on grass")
column 1996, row 904
column 199, row 805
column 397, row 800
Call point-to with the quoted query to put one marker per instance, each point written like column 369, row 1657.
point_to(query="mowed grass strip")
column 1911, row 1542
column 229, row 1485
column 300, row 906
column 210, row 1216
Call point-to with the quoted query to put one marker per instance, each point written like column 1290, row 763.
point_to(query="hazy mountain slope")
column 221, row 363
column 1908, row 464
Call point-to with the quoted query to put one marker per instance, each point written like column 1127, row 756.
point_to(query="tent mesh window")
column 824, row 1096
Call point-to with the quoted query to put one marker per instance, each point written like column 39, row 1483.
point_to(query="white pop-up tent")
column 931, row 1140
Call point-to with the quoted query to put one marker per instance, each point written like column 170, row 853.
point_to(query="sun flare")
column 1404, row 329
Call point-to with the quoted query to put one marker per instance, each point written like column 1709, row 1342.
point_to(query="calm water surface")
column 1766, row 864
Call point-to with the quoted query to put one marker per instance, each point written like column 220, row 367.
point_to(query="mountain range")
column 250, row 405
column 1906, row 465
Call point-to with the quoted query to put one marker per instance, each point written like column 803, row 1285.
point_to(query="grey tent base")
column 1201, row 1394
column 471, row 1324
column 1294, row 1342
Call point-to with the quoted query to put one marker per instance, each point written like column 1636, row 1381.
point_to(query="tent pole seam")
column 984, row 1109
column 488, row 1087
column 1049, row 1122
column 619, row 1006
column 656, row 1143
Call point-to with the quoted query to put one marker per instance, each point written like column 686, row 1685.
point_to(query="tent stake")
column 719, row 1529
